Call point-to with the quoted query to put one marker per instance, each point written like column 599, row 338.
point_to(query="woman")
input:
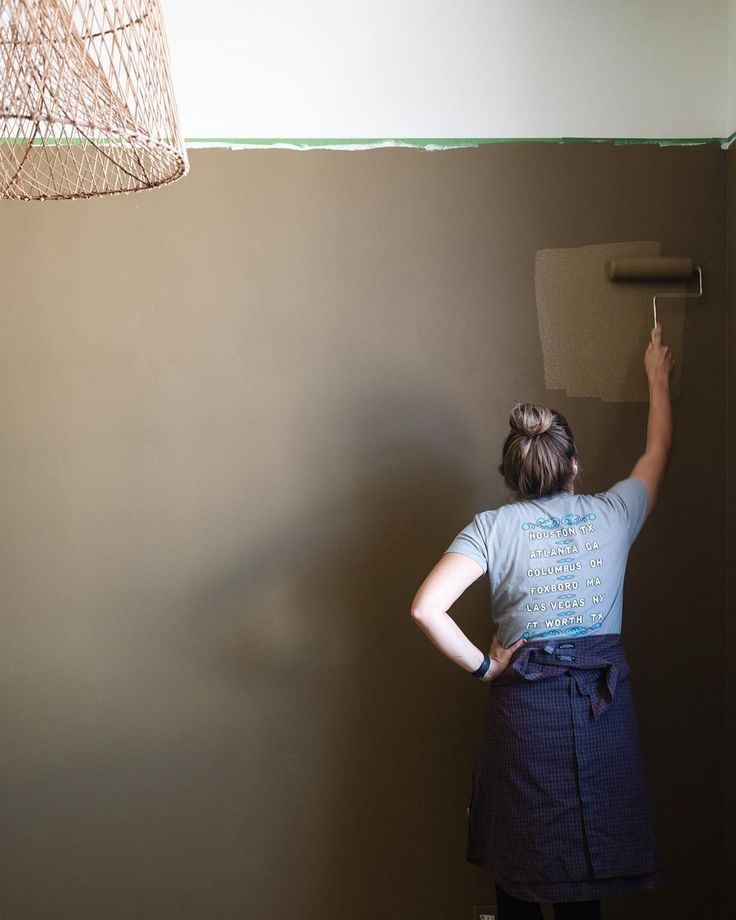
column 559, row 808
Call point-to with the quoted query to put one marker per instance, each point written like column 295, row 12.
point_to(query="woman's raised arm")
column 651, row 466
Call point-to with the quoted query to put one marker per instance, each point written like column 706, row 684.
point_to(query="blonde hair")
column 538, row 453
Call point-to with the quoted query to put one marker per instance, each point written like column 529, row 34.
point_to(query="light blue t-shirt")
column 556, row 564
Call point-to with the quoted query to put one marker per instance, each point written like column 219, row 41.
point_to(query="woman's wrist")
column 483, row 668
column 491, row 673
column 660, row 380
column 486, row 670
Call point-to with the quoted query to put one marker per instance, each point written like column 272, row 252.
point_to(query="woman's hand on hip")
column 500, row 657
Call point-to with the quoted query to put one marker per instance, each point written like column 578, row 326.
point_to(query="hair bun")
column 531, row 420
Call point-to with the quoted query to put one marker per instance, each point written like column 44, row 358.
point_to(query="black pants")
column 510, row 908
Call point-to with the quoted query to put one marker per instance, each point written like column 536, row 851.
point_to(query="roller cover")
column 664, row 268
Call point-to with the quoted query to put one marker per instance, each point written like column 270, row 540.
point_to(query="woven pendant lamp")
column 86, row 104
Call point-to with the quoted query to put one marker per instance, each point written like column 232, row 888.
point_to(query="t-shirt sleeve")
column 632, row 499
column 471, row 541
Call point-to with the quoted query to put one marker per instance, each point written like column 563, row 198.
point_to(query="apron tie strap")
column 535, row 662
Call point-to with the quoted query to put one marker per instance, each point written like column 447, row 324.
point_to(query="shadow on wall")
column 344, row 702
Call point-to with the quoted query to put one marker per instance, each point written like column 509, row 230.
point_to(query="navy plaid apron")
column 559, row 809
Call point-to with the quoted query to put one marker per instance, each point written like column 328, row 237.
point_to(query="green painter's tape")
column 422, row 142
column 308, row 142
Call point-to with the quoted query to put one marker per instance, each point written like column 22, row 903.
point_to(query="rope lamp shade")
column 86, row 104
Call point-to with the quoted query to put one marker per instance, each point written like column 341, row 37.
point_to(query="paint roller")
column 656, row 268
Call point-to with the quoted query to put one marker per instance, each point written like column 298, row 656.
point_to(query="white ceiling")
column 342, row 69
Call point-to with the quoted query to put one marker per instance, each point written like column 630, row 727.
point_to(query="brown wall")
column 730, row 631
column 243, row 417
